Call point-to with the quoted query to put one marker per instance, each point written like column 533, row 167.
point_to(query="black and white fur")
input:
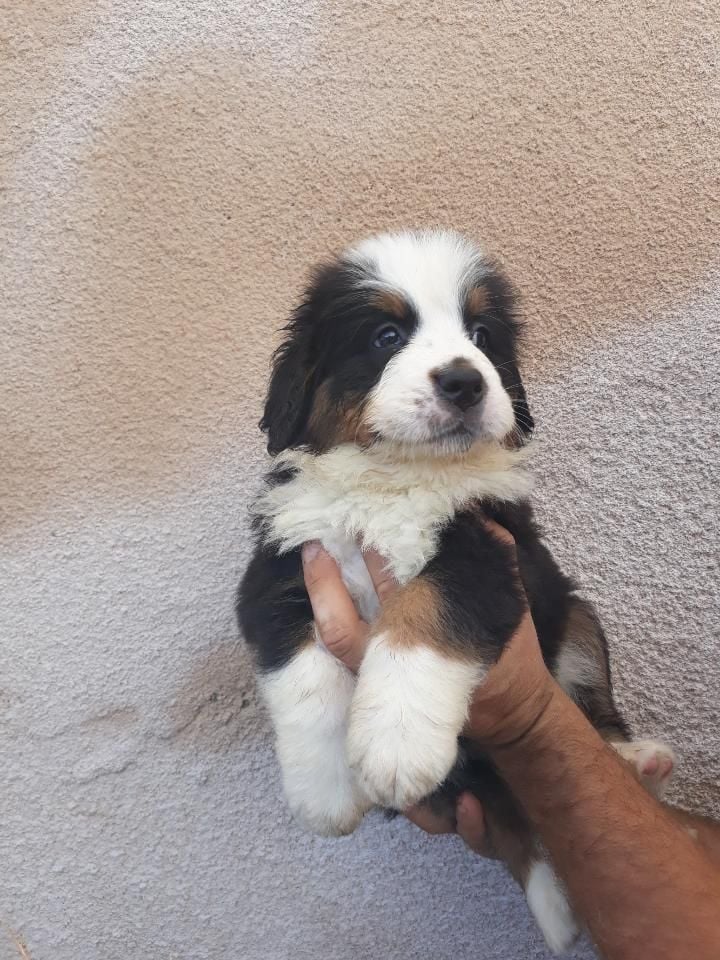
column 398, row 418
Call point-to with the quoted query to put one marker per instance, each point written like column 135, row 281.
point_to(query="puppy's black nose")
column 460, row 383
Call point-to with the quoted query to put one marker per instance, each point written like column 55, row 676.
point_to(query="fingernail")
column 311, row 550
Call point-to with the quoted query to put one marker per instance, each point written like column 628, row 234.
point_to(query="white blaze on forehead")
column 432, row 270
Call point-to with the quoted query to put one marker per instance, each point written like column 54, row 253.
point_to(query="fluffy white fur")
column 397, row 506
column 408, row 710
column 433, row 265
column 549, row 905
column 309, row 700
column 431, row 271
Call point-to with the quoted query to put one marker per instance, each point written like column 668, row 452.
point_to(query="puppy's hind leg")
column 582, row 668
column 309, row 699
column 510, row 836
column 549, row 905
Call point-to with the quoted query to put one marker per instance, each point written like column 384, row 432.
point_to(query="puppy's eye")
column 479, row 336
column 388, row 337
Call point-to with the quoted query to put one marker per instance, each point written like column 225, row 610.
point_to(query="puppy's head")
column 409, row 339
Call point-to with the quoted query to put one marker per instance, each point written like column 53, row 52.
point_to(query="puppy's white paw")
column 653, row 761
column 550, row 907
column 309, row 699
column 408, row 710
column 399, row 755
column 330, row 806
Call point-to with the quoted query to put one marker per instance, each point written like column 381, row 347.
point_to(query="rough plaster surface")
column 167, row 172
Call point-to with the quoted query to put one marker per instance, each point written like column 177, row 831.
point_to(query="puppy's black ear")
column 516, row 391
column 504, row 305
column 289, row 397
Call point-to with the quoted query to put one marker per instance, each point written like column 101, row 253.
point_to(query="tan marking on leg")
column 412, row 617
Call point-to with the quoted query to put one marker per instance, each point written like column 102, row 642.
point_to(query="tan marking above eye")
column 478, row 300
column 390, row 302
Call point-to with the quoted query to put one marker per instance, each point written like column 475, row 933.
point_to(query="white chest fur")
column 350, row 496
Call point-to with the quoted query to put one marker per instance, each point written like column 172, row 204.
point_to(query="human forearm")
column 637, row 877
column 703, row 830
column 633, row 873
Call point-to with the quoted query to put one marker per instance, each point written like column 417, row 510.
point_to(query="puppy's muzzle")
column 459, row 384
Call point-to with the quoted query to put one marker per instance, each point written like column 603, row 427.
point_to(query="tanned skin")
column 644, row 877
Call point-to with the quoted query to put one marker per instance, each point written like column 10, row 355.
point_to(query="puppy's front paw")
column 408, row 710
column 398, row 754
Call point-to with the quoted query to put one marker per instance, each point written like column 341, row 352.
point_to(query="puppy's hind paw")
column 653, row 761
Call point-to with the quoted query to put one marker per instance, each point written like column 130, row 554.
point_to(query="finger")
column 383, row 580
column 422, row 816
column 500, row 532
column 471, row 822
column 504, row 536
column 337, row 621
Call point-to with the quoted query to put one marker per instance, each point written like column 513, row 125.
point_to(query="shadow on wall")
column 142, row 334
column 215, row 708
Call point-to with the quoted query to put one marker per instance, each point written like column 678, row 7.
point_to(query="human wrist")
column 511, row 718
column 515, row 694
column 531, row 725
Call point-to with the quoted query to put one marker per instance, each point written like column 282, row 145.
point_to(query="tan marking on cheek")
column 478, row 300
column 355, row 428
column 322, row 416
column 330, row 424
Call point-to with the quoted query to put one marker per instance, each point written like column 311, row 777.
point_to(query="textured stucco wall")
column 167, row 171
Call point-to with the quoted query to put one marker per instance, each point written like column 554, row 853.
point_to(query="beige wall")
column 168, row 171
column 169, row 185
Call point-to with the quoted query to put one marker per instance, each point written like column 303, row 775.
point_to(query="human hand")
column 516, row 689
column 338, row 623
column 468, row 822
column 507, row 704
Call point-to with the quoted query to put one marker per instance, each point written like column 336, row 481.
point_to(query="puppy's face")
column 408, row 339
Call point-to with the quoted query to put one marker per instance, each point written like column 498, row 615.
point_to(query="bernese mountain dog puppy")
column 397, row 418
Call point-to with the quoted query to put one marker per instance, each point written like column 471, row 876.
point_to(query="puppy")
column 397, row 418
